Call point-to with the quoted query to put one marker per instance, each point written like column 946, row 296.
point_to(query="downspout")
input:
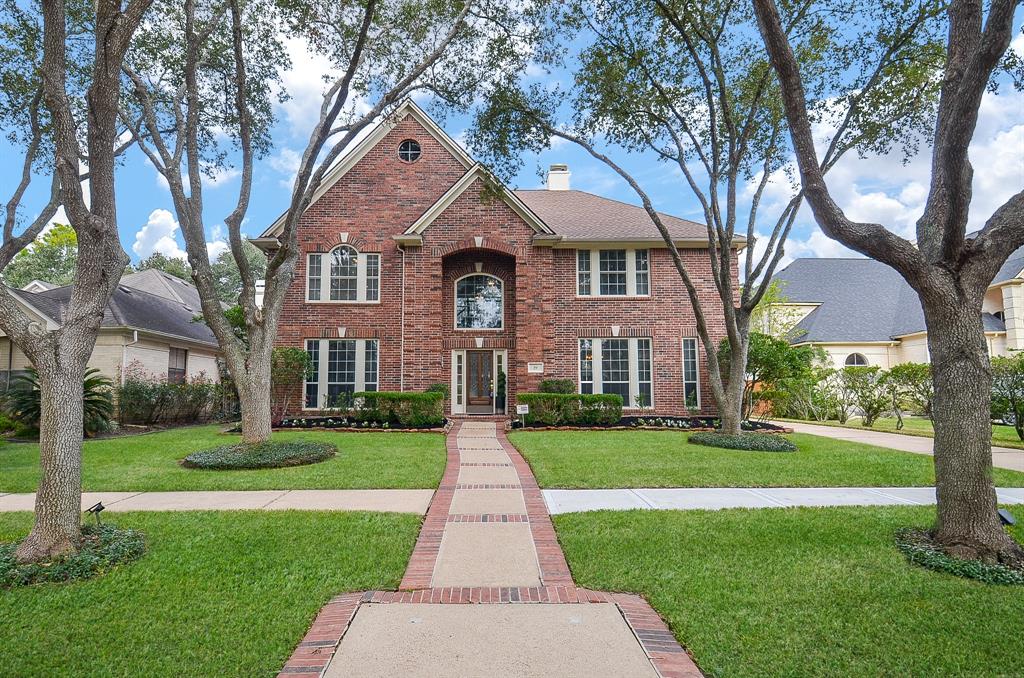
column 401, row 361
column 10, row 362
column 124, row 353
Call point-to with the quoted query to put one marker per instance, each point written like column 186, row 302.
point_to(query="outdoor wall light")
column 96, row 509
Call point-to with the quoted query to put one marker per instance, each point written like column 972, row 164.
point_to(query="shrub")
column 288, row 369
column 919, row 549
column 271, row 454
column 572, row 409
column 23, row 401
column 394, row 408
column 149, row 399
column 868, row 391
column 1008, row 391
column 441, row 388
column 557, row 386
column 103, row 547
column 755, row 442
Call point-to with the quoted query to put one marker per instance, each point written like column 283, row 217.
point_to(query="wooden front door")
column 480, row 381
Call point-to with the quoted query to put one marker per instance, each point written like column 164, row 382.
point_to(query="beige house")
column 149, row 324
column 862, row 312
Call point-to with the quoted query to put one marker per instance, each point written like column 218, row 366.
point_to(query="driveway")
column 1002, row 457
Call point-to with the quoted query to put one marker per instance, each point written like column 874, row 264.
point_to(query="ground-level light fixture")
column 1006, row 518
column 96, row 509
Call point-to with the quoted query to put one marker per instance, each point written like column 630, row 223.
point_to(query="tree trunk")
column 57, row 527
column 254, row 391
column 731, row 407
column 968, row 526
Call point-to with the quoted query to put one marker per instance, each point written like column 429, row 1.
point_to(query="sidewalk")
column 397, row 501
column 1002, row 457
column 713, row 498
column 488, row 593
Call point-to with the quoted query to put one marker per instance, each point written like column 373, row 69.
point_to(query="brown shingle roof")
column 578, row 215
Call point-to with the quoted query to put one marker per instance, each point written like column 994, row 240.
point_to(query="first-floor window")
column 177, row 364
column 339, row 368
column 620, row 366
column 691, row 385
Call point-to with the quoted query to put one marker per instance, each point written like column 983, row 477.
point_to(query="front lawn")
column 150, row 463
column 595, row 459
column 799, row 592
column 216, row 594
column 1002, row 436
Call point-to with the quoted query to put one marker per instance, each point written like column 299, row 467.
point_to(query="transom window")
column 613, row 273
column 620, row 366
column 343, row 275
column 338, row 368
column 856, row 360
column 409, row 150
column 479, row 302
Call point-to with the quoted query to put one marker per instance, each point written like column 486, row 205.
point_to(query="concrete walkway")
column 1002, row 457
column 572, row 501
column 488, row 593
column 396, row 501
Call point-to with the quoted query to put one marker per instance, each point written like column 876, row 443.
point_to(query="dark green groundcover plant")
column 103, row 548
column 917, row 546
column 755, row 442
column 273, row 454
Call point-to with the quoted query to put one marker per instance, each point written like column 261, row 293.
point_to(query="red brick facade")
column 381, row 197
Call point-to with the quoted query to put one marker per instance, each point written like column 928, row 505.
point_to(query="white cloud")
column 158, row 235
column 305, row 85
column 217, row 244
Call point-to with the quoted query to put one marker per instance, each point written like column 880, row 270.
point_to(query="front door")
column 479, row 382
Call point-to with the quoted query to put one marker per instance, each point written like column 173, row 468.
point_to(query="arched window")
column 856, row 360
column 479, row 302
column 350, row 276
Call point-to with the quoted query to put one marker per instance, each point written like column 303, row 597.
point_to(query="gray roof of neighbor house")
column 578, row 215
column 164, row 285
column 859, row 300
column 1012, row 268
column 133, row 309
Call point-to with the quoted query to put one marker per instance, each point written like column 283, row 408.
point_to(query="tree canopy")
column 51, row 258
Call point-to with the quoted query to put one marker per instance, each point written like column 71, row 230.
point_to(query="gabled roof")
column 164, row 285
column 578, row 216
column 349, row 159
column 131, row 309
column 859, row 300
column 1011, row 268
column 476, row 172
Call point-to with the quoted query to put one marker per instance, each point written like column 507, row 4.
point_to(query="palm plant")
column 22, row 402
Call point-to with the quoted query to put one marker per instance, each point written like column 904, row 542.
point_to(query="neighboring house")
column 155, row 329
column 417, row 268
column 863, row 312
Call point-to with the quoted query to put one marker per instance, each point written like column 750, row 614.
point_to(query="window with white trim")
column 620, row 366
column 856, row 360
column 479, row 302
column 691, row 375
column 351, row 276
column 339, row 368
column 613, row 273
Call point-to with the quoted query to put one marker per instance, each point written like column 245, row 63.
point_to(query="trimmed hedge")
column 272, row 454
column 418, row 410
column 919, row 549
column 557, row 386
column 103, row 548
column 755, row 442
column 572, row 409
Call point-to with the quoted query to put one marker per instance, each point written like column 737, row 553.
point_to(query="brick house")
column 417, row 269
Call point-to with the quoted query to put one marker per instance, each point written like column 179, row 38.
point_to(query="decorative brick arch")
column 479, row 243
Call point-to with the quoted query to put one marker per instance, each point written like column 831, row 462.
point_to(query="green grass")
column 150, row 463
column 799, row 592
column 1002, row 436
column 595, row 459
column 216, row 594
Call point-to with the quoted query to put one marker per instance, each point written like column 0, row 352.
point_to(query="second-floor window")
column 479, row 303
column 343, row 275
column 613, row 273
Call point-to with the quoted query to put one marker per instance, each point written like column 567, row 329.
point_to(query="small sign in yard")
column 522, row 409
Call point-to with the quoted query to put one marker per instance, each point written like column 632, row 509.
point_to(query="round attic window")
column 409, row 150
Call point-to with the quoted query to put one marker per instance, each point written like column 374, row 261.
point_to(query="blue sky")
column 875, row 188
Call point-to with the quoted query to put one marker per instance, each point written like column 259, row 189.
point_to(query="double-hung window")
column 177, row 365
column 691, row 379
column 343, row 275
column 339, row 368
column 613, row 273
column 620, row 366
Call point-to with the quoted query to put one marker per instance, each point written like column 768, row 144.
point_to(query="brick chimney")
column 558, row 177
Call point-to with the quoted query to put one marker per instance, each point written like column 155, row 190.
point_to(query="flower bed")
column 754, row 442
column 103, row 548
column 273, row 454
column 666, row 422
column 350, row 424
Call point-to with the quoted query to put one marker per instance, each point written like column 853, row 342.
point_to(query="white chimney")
column 558, row 177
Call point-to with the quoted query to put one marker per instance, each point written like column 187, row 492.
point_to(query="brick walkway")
column 487, row 540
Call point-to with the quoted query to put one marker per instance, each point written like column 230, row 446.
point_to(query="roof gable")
column 408, row 108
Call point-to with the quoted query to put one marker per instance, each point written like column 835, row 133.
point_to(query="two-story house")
column 417, row 268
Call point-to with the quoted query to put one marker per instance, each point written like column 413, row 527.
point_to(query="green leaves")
column 51, row 258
